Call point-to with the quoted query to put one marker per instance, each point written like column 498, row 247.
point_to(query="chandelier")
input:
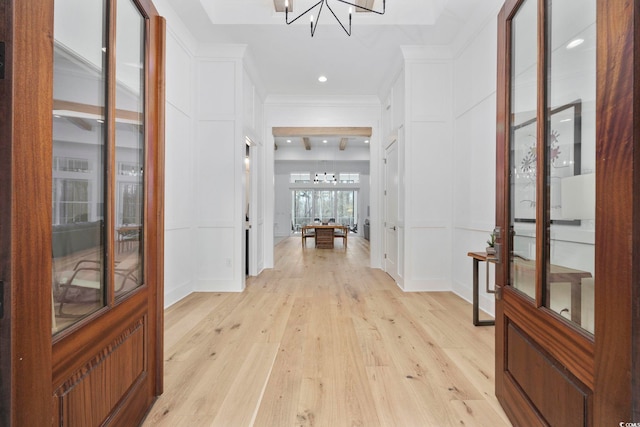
column 320, row 5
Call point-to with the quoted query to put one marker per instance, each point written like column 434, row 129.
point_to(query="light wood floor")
column 323, row 340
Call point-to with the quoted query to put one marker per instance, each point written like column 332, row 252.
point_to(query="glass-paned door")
column 324, row 204
column 347, row 208
column 336, row 206
column 302, row 208
column 545, row 209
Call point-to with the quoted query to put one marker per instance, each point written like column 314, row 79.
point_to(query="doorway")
column 391, row 204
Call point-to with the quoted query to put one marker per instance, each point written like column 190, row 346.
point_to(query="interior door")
column 545, row 311
column 83, row 187
column 106, row 231
column 391, row 202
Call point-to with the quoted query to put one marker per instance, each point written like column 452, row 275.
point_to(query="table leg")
column 476, row 297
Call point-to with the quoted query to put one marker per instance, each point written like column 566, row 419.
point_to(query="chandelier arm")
column 302, row 14
column 339, row 21
column 313, row 27
column 384, row 6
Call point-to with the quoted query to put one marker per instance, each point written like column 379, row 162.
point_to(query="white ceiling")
column 289, row 60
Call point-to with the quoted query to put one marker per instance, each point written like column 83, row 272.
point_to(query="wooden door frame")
column 26, row 28
column 617, row 316
column 26, row 125
column 615, row 364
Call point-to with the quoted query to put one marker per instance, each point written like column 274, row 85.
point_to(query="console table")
column 477, row 258
column 556, row 274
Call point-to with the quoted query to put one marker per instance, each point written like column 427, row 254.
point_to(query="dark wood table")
column 325, row 234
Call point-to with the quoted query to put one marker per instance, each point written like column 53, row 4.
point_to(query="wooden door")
column 566, row 150
column 82, row 183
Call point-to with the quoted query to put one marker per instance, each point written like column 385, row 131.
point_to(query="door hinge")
column 385, row 161
column 385, row 192
column 385, row 256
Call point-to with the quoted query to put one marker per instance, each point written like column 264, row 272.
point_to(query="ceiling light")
column 324, row 141
column 288, row 141
column 366, row 141
column 575, row 43
column 320, row 4
column 322, row 79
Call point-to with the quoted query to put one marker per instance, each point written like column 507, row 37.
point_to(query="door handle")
column 394, row 228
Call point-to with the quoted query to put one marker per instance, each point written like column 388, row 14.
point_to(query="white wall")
column 473, row 166
column 180, row 232
column 426, row 170
column 322, row 112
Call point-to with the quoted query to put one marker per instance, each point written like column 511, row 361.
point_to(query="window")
column 300, row 178
column 339, row 206
column 70, row 201
column 68, row 164
column 130, row 204
column 349, row 178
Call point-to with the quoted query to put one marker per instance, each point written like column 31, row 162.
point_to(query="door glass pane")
column 78, row 161
column 523, row 143
column 324, row 206
column 302, row 208
column 130, row 132
column 570, row 160
column 347, row 207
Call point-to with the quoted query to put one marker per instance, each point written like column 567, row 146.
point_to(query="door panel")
column 545, row 306
column 107, row 359
column 95, row 361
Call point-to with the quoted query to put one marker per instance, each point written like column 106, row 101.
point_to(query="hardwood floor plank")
column 241, row 402
column 323, row 340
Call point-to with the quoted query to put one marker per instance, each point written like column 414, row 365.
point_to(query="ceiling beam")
column 81, row 123
column 132, row 116
column 321, row 131
column 343, row 143
column 307, row 144
column 279, row 5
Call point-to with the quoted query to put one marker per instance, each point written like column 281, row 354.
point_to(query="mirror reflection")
column 81, row 194
column 79, row 140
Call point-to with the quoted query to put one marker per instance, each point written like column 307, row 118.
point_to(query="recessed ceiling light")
column 575, row 43
column 288, row 141
column 322, row 79
column 366, row 141
column 324, row 141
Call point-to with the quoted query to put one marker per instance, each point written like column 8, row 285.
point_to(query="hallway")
column 323, row 340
